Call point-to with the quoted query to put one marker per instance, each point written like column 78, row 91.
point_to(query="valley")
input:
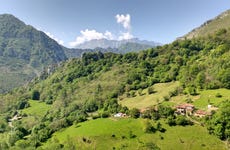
column 173, row 96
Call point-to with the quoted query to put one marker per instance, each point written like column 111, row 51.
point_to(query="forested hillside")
column 94, row 83
column 24, row 52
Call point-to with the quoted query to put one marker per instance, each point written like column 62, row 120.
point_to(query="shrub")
column 35, row 95
column 151, row 90
column 104, row 114
column 134, row 113
column 148, row 127
column 218, row 95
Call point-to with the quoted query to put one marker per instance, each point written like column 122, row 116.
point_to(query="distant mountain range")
column 121, row 47
column 104, row 43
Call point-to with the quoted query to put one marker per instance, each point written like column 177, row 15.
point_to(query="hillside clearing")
column 162, row 90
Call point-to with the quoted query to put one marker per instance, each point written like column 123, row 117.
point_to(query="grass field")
column 161, row 90
column 99, row 132
column 36, row 108
column 202, row 100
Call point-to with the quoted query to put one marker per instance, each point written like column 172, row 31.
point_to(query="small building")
column 184, row 109
column 200, row 113
column 120, row 115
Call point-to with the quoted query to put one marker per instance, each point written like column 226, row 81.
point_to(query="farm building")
column 185, row 109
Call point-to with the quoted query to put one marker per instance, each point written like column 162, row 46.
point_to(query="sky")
column 72, row 22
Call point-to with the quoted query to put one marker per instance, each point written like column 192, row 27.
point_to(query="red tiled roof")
column 184, row 106
column 201, row 112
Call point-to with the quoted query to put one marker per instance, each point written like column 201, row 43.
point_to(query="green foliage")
column 35, row 95
column 182, row 120
column 218, row 95
column 134, row 113
column 148, row 127
column 220, row 122
column 150, row 90
column 24, row 51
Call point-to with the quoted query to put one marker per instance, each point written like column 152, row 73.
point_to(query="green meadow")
column 161, row 90
column 37, row 108
column 127, row 133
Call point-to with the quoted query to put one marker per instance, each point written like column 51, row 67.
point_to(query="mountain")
column 104, row 43
column 114, row 46
column 122, row 49
column 210, row 26
column 24, row 52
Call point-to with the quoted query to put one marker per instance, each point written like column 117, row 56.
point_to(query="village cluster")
column 182, row 109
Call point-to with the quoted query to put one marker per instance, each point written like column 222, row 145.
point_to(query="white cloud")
column 125, row 36
column 61, row 42
column 88, row 35
column 124, row 20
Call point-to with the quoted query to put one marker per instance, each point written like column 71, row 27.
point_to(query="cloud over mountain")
column 88, row 35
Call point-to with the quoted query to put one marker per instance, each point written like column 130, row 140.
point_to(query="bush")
column 134, row 113
column 218, row 95
column 35, row 95
column 171, row 121
column 148, row 127
column 181, row 120
column 104, row 114
column 151, row 90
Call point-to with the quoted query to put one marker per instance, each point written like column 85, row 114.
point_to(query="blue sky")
column 71, row 22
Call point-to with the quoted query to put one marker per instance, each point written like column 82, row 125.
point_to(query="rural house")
column 200, row 113
column 120, row 115
column 184, row 109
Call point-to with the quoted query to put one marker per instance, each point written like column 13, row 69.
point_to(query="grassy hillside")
column 144, row 99
column 114, row 133
column 163, row 95
column 37, row 108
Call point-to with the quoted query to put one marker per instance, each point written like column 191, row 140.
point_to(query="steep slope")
column 24, row 51
column 219, row 22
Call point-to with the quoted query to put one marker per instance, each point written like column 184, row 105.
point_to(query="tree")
column 148, row 127
column 171, row 121
column 181, row 120
column 134, row 113
column 35, row 95
column 219, row 124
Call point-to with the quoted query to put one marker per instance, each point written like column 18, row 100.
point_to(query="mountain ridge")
column 105, row 43
column 24, row 52
column 210, row 26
